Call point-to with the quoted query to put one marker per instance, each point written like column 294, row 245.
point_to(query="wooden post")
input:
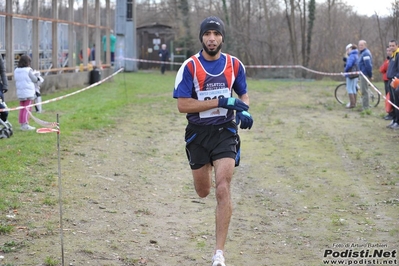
column 71, row 37
column 98, row 35
column 9, row 39
column 35, row 37
column 54, row 35
column 108, row 42
column 85, row 33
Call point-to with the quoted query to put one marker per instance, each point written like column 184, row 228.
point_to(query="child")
column 25, row 84
column 38, row 98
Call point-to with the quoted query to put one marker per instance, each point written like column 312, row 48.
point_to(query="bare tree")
column 312, row 17
column 185, row 11
column 395, row 19
column 290, row 17
column 382, row 32
column 302, row 24
column 267, row 19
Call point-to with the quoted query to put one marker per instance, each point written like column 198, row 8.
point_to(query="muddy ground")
column 313, row 177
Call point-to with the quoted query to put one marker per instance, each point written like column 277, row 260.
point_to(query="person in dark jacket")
column 3, row 89
column 164, row 55
column 392, row 73
column 3, row 79
column 366, row 67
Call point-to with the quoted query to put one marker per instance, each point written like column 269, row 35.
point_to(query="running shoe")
column 391, row 124
column 26, row 127
column 395, row 126
column 218, row 259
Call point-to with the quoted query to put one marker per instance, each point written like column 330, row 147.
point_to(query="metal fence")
column 23, row 41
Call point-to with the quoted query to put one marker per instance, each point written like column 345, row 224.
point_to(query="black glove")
column 5, row 89
column 244, row 119
column 233, row 104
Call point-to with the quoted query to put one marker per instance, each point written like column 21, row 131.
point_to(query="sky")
column 368, row 7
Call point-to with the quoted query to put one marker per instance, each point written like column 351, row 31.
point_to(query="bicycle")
column 341, row 95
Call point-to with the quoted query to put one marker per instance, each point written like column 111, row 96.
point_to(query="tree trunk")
column 290, row 17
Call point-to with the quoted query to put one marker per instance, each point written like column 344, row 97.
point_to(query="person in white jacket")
column 25, row 80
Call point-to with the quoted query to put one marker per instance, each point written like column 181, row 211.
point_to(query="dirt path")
column 313, row 177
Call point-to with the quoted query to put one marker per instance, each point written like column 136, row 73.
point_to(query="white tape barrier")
column 277, row 67
column 54, row 124
column 176, row 63
column 65, row 96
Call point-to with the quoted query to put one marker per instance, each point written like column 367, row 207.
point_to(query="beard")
column 212, row 52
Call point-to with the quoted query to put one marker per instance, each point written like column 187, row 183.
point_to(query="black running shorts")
column 205, row 144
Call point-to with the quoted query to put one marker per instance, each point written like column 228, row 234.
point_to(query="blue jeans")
column 351, row 85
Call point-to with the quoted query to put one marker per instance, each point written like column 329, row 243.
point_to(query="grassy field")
column 93, row 109
column 90, row 110
column 313, row 175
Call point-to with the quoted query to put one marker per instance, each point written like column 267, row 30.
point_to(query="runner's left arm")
column 240, row 83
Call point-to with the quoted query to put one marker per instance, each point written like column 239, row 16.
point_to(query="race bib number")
column 210, row 95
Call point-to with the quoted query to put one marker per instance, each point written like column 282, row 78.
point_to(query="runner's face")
column 212, row 42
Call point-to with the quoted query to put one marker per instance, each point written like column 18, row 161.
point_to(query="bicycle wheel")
column 374, row 98
column 341, row 94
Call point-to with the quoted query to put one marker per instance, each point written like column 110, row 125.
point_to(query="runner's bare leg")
column 203, row 180
column 224, row 169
